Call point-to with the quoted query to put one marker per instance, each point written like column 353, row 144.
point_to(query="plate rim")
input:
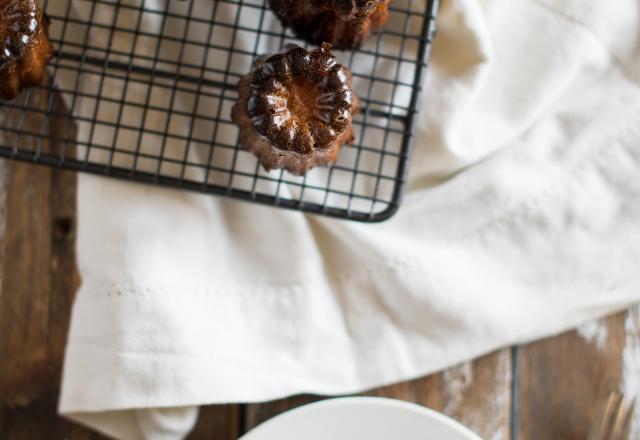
column 367, row 400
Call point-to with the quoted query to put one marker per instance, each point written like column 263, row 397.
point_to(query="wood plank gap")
column 515, row 398
column 242, row 419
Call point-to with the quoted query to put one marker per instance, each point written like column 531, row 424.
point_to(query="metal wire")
column 150, row 85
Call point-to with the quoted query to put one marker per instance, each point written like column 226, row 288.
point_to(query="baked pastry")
column 295, row 109
column 346, row 24
column 24, row 46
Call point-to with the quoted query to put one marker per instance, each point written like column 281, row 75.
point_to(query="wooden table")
column 546, row 390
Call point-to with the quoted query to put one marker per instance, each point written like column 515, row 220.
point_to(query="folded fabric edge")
column 86, row 412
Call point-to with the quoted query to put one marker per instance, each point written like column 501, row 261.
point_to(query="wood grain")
column 563, row 381
column 476, row 393
column 39, row 278
column 256, row 414
column 39, row 421
column 218, row 422
column 38, row 273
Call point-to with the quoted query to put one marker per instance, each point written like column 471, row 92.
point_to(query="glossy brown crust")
column 346, row 24
column 24, row 46
column 295, row 109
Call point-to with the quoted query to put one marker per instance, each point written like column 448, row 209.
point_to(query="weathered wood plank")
column 256, row 414
column 630, row 385
column 217, row 422
column 26, row 370
column 475, row 393
column 39, row 279
column 28, row 324
column 39, row 420
column 563, row 381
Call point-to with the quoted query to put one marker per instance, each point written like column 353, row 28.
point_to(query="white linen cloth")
column 522, row 219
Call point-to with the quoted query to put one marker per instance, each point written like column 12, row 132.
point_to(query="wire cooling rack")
column 150, row 85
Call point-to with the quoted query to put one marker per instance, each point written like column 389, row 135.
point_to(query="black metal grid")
column 150, row 85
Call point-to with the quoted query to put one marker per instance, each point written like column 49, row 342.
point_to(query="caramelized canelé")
column 295, row 109
column 24, row 46
column 346, row 24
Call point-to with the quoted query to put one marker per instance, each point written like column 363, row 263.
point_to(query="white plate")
column 366, row 418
